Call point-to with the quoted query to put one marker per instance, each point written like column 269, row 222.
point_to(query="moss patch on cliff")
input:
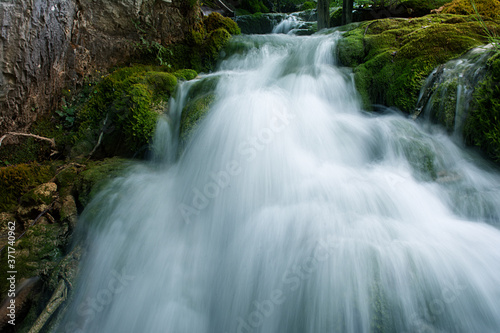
column 201, row 49
column 482, row 127
column 392, row 57
column 17, row 180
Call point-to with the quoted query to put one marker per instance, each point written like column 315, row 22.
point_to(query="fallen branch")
column 52, row 141
column 58, row 297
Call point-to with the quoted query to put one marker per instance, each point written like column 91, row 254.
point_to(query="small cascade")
column 291, row 210
column 446, row 95
column 298, row 23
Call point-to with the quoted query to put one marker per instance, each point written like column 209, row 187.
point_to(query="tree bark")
column 323, row 14
column 347, row 7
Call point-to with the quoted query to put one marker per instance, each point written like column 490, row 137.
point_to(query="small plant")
column 152, row 47
column 493, row 38
column 67, row 115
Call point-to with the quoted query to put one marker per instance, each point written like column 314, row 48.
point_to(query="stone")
column 50, row 45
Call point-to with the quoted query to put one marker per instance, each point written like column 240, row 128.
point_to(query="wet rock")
column 48, row 45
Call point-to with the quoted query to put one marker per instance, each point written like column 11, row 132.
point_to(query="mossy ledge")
column 482, row 127
column 392, row 57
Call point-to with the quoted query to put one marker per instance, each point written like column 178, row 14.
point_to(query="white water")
column 293, row 211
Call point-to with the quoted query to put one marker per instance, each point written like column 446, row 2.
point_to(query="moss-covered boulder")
column 17, row 180
column 389, row 9
column 121, row 114
column 95, row 177
column 259, row 23
column 393, row 57
column 200, row 51
column 37, row 252
column 216, row 21
column 486, row 8
column 200, row 97
column 482, row 127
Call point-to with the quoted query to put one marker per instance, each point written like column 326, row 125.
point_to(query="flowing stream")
column 291, row 210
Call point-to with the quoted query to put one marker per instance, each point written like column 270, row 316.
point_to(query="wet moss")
column 186, row 74
column 392, row 57
column 216, row 21
column 486, row 8
column 37, row 252
column 200, row 97
column 193, row 113
column 482, row 127
column 19, row 179
column 95, row 177
column 443, row 108
column 200, row 51
column 122, row 112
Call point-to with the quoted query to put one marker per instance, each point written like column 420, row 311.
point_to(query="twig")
column 100, row 136
column 52, row 141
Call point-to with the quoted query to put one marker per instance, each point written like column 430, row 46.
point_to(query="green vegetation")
column 482, row 127
column 36, row 252
column 392, row 57
column 121, row 113
column 96, row 176
column 200, row 98
column 200, row 51
column 17, row 180
column 488, row 9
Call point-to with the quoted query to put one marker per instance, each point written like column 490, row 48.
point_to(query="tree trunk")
column 323, row 14
column 347, row 6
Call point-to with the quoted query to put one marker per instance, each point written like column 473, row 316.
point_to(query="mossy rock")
column 393, row 57
column 216, row 21
column 123, row 110
column 19, row 179
column 216, row 40
column 200, row 51
column 193, row 113
column 391, row 9
column 258, row 23
column 482, row 126
column 185, row 74
column 486, row 8
column 95, row 177
column 444, row 107
column 37, row 252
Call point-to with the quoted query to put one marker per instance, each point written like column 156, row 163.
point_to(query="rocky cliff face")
column 48, row 45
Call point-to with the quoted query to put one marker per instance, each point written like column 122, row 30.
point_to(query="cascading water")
column 447, row 92
column 291, row 210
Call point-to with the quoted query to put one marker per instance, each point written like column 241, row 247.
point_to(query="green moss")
column 186, row 74
column 95, row 177
column 123, row 110
column 216, row 21
column 486, row 8
column 214, row 43
column 193, row 113
column 443, row 107
column 482, row 127
column 308, row 5
column 65, row 179
column 254, row 6
column 17, row 180
column 392, row 57
column 37, row 252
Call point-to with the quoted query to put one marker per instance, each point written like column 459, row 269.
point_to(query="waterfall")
column 446, row 95
column 291, row 210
